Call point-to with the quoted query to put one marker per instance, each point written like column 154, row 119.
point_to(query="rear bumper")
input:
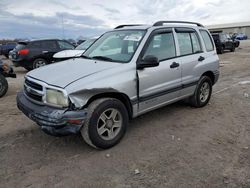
column 21, row 63
column 53, row 121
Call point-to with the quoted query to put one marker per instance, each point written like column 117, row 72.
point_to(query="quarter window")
column 161, row 46
column 207, row 40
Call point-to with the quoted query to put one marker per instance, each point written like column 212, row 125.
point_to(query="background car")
column 223, row 42
column 37, row 53
column 241, row 36
column 78, row 51
column 6, row 48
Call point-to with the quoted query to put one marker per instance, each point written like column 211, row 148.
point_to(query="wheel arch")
column 119, row 96
column 211, row 75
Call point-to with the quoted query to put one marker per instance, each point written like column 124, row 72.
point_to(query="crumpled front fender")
column 81, row 98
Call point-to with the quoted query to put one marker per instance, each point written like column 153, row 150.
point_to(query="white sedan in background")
column 77, row 52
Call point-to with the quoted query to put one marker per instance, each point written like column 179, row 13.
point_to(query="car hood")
column 66, row 72
column 68, row 53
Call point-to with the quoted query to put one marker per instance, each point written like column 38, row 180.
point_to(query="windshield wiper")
column 84, row 56
column 102, row 58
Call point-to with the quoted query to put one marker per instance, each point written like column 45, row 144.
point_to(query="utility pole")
column 63, row 28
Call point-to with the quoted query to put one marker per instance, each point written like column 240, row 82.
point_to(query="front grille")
column 33, row 96
column 33, row 90
column 33, row 85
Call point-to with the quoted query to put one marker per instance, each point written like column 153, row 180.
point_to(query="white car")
column 77, row 52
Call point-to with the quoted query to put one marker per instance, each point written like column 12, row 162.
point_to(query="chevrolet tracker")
column 127, row 72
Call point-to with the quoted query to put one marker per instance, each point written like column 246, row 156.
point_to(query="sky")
column 89, row 18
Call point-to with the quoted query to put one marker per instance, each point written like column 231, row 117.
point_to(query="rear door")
column 229, row 42
column 49, row 48
column 159, row 85
column 191, row 56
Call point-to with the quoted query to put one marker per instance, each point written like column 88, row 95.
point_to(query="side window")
column 35, row 44
column 65, row 45
column 195, row 43
column 161, row 46
column 49, row 44
column 207, row 40
column 185, row 43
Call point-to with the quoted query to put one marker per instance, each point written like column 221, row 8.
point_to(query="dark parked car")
column 6, row 48
column 223, row 42
column 5, row 71
column 37, row 53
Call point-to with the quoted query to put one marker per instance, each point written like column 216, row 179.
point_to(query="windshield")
column 118, row 46
column 85, row 44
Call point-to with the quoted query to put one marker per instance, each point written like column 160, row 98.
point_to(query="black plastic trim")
column 158, row 94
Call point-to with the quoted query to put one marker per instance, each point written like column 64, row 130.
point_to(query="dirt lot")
column 175, row 146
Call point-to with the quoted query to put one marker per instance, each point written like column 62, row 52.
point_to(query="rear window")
column 20, row 46
column 216, row 37
column 207, row 40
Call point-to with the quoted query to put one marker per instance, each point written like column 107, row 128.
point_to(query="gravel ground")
column 175, row 146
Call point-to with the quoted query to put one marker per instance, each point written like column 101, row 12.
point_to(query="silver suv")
column 127, row 72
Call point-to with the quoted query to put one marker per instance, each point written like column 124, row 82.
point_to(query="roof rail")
column 160, row 23
column 129, row 25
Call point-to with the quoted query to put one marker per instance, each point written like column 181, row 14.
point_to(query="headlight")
column 56, row 97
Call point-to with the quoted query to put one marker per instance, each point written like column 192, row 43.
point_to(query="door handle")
column 201, row 58
column 45, row 52
column 174, row 65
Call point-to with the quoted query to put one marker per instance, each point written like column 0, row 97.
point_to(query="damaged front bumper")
column 53, row 121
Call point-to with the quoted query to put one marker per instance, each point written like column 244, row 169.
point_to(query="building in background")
column 231, row 28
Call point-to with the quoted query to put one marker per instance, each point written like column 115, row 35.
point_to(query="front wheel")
column 233, row 48
column 202, row 92
column 221, row 50
column 105, row 124
column 3, row 85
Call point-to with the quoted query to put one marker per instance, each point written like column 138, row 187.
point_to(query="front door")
column 159, row 85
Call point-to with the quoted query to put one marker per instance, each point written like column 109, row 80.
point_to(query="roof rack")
column 129, row 25
column 160, row 23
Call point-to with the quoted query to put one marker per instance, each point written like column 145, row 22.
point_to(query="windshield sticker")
column 133, row 37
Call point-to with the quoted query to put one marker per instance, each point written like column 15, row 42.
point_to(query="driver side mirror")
column 148, row 61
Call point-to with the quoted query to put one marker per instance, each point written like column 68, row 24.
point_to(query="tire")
column 28, row 68
column 39, row 63
column 221, row 50
column 197, row 100
column 233, row 48
column 95, row 132
column 3, row 85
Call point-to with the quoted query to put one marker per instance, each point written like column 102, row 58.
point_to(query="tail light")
column 23, row 52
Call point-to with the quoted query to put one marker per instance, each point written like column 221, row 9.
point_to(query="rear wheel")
column 39, row 63
column 106, row 123
column 202, row 92
column 3, row 85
